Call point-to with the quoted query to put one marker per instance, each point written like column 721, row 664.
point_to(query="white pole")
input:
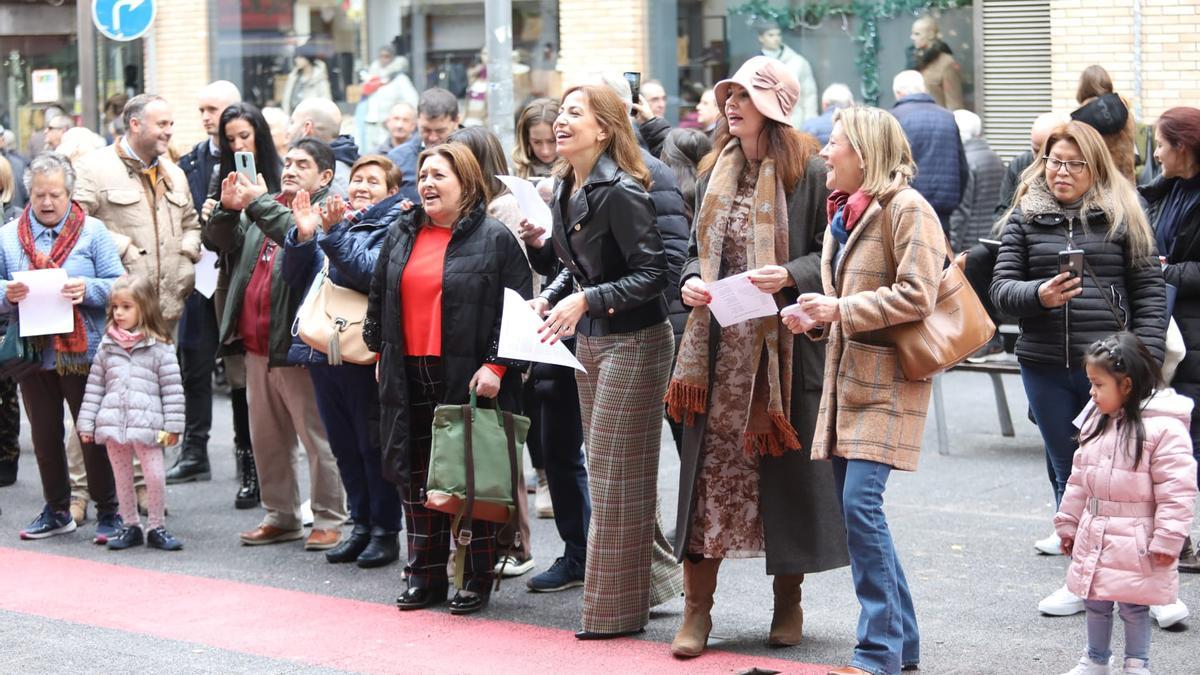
column 499, row 71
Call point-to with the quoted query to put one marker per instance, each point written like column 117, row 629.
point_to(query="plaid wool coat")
column 868, row 409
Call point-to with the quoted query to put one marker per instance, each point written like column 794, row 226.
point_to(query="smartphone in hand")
column 635, row 84
column 243, row 163
column 1071, row 261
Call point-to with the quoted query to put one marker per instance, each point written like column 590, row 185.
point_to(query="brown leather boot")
column 699, row 584
column 787, row 625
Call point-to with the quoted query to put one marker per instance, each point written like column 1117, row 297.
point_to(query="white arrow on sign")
column 129, row 5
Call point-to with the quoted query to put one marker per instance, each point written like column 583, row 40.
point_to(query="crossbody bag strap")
column 513, row 526
column 1112, row 307
column 465, row 519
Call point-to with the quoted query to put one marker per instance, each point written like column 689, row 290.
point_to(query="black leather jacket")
column 606, row 238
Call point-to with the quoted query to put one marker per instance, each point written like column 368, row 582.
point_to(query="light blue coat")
column 94, row 259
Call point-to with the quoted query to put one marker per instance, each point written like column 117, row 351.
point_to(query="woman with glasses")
column 1074, row 198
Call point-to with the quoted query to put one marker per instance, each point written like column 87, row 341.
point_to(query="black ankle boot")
column 192, row 466
column 247, row 495
column 351, row 546
column 383, row 550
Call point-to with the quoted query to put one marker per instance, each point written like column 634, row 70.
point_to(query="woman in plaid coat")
column 871, row 418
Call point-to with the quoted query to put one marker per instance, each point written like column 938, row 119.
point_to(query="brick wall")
column 181, row 64
column 602, row 35
column 1086, row 32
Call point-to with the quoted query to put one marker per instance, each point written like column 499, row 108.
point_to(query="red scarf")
column 70, row 348
column 856, row 205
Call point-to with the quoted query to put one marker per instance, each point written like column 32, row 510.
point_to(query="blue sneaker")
column 563, row 574
column 107, row 525
column 48, row 524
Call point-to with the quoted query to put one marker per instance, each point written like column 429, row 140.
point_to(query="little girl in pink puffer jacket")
column 1128, row 503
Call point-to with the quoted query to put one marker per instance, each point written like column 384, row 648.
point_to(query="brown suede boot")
column 699, row 584
column 787, row 625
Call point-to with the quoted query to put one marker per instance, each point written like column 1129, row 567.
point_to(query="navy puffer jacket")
column 937, row 149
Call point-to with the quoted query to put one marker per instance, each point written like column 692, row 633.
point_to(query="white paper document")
column 532, row 206
column 519, row 337
column 206, row 273
column 45, row 311
column 736, row 299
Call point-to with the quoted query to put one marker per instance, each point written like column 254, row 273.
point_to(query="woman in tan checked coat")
column 871, row 418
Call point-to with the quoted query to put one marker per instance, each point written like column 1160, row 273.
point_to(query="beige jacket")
column 154, row 225
column 943, row 81
column 868, row 409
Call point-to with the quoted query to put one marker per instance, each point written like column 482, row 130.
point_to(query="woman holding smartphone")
column 1073, row 198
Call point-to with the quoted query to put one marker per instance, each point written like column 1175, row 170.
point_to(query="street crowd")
column 787, row 426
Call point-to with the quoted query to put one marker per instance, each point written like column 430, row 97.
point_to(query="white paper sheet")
column 532, row 206
column 519, row 338
column 44, row 311
column 206, row 273
column 735, row 299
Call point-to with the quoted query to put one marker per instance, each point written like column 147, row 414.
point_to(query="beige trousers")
column 283, row 408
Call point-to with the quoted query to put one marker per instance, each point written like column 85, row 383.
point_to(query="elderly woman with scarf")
column 54, row 232
column 748, row 392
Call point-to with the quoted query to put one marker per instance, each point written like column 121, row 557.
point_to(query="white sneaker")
column 541, row 500
column 306, row 514
column 1051, row 545
column 1061, row 603
column 513, row 566
column 1169, row 615
column 1135, row 667
column 1087, row 666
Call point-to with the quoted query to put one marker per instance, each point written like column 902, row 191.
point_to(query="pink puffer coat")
column 1118, row 514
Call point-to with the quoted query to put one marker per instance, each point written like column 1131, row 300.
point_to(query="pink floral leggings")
column 120, row 455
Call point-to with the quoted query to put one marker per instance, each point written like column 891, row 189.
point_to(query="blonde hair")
column 8, row 185
column 880, row 143
column 1110, row 193
column 611, row 114
column 145, row 297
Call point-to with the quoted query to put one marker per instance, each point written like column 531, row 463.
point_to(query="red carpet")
column 325, row 631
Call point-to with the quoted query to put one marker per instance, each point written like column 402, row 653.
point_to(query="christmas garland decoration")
column 868, row 14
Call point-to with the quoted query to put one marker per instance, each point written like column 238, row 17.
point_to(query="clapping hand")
column 333, row 212
column 306, row 216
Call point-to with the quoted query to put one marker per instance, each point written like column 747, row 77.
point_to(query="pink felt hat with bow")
column 773, row 90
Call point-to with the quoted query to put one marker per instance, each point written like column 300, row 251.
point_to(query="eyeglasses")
column 1074, row 166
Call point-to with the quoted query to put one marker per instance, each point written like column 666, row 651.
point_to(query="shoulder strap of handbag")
column 1111, row 307
column 889, row 241
column 465, row 518
column 508, row 537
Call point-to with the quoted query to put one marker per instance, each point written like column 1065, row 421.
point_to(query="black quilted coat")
column 482, row 259
column 1036, row 231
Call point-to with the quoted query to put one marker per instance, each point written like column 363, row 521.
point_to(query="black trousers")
column 562, row 455
column 10, row 422
column 198, row 344
column 43, row 394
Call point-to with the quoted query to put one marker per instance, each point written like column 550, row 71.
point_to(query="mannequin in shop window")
column 770, row 39
column 308, row 79
column 930, row 56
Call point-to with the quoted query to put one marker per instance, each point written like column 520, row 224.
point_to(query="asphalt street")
column 964, row 525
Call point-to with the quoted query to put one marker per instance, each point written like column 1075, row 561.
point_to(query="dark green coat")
column 801, row 517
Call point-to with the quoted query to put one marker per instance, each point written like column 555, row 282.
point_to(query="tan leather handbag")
column 330, row 320
column 958, row 327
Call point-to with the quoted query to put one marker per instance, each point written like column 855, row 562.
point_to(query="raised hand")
column 306, row 216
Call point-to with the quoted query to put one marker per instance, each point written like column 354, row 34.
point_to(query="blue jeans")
column 887, row 625
column 1099, row 628
column 1056, row 395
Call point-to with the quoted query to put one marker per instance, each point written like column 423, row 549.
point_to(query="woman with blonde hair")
column 747, row 393
column 604, row 231
column 8, row 191
column 1074, row 197
column 871, row 417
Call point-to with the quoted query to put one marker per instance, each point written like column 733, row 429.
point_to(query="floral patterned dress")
column 727, row 520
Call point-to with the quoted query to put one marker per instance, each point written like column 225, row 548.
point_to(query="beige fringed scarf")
column 768, row 430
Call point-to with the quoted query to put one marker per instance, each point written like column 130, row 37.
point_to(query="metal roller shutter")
column 1015, row 65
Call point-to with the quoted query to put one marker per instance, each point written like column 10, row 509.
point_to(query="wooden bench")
column 994, row 370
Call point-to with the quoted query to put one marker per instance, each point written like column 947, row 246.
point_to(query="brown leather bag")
column 958, row 327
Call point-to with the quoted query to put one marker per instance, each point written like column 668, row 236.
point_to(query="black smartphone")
column 635, row 85
column 1071, row 262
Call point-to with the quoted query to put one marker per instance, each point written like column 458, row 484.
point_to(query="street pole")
column 498, row 22
column 88, row 90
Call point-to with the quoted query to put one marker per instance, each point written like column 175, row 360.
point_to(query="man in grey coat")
column 974, row 216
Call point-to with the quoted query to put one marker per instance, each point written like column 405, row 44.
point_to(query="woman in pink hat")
column 748, row 392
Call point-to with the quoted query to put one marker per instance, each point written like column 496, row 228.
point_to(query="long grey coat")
column 132, row 395
column 801, row 516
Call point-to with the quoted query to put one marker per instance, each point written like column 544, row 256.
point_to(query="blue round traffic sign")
column 123, row 20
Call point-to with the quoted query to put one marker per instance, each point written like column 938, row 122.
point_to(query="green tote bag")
column 475, row 471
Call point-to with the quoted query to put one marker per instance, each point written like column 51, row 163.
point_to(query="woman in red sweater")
column 433, row 316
